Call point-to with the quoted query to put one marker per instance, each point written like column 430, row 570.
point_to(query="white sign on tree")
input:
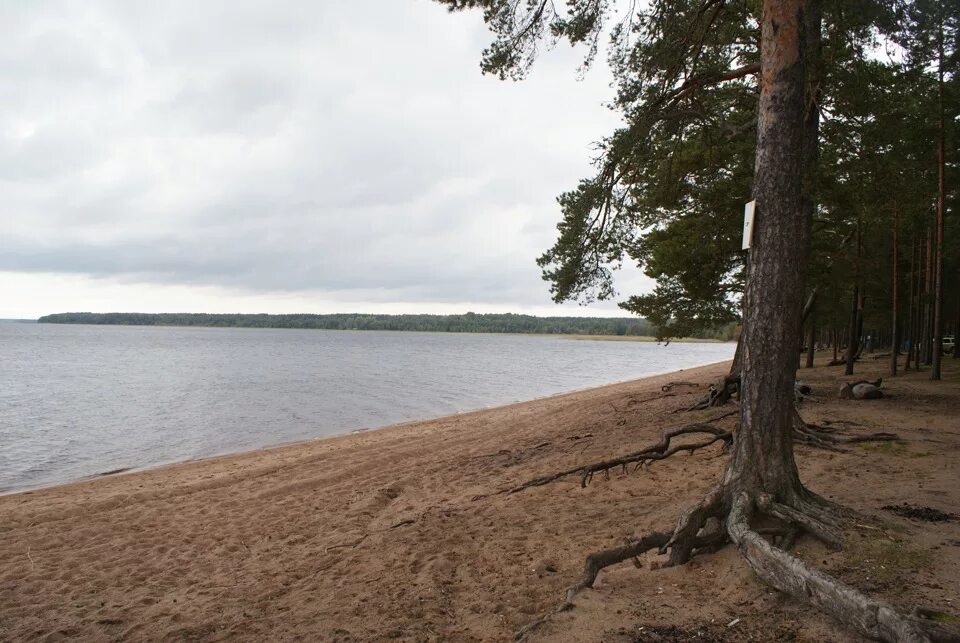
column 749, row 211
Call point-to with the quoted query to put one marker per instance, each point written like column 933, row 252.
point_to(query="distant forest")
column 468, row 323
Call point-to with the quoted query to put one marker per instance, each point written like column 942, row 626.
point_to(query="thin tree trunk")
column 811, row 42
column 894, row 326
column 853, row 344
column 923, row 282
column 910, row 323
column 861, row 306
column 956, row 331
column 808, row 315
column 937, row 334
column 918, row 315
column 928, row 301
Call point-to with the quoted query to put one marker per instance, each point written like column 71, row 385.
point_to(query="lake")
column 82, row 400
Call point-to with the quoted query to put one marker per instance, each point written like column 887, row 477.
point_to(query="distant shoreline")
column 619, row 328
column 568, row 336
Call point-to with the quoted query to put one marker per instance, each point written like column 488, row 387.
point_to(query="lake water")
column 81, row 400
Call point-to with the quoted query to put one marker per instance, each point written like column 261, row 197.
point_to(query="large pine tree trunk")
column 763, row 454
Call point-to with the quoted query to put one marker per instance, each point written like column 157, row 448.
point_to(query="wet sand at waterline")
column 377, row 535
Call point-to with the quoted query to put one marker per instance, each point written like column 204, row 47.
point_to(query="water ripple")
column 80, row 400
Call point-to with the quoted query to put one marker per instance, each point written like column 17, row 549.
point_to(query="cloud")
column 346, row 150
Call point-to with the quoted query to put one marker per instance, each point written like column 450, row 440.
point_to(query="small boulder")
column 860, row 391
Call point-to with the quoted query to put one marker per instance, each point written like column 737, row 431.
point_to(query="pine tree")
column 681, row 68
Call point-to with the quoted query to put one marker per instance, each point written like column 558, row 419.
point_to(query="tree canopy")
column 670, row 183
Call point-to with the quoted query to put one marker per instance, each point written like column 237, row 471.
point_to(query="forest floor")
column 378, row 535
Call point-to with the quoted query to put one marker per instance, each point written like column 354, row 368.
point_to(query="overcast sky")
column 280, row 157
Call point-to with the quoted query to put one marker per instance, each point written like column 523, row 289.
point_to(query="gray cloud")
column 344, row 148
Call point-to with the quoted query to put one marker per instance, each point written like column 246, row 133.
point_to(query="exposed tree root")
column 669, row 386
column 521, row 634
column 808, row 434
column 665, row 394
column 869, row 617
column 813, row 435
column 607, row 557
column 719, row 394
column 659, row 451
column 819, row 529
column 853, row 439
column 829, row 439
column 803, row 434
column 725, row 515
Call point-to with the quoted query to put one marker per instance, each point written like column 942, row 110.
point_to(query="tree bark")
column 853, row 345
column 911, row 325
column 927, row 301
column 920, row 326
column 956, row 331
column 763, row 453
column 895, row 321
column 937, row 334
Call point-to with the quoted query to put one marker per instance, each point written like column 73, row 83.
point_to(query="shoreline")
column 399, row 533
column 126, row 471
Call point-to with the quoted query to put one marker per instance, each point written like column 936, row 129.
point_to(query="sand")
column 375, row 536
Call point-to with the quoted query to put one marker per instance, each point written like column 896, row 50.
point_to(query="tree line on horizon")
column 466, row 323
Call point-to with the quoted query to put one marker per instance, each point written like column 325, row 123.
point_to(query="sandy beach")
column 378, row 535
